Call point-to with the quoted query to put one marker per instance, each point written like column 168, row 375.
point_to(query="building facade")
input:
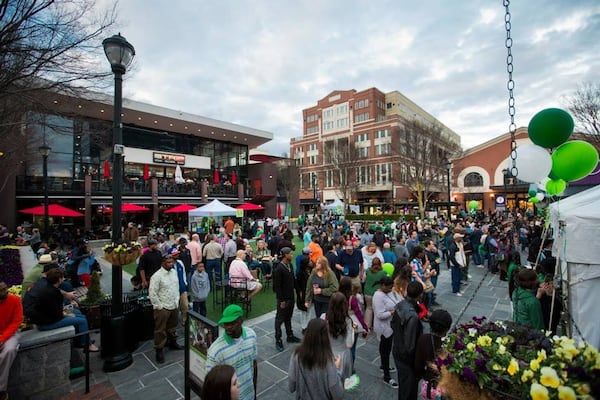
column 209, row 158
column 377, row 150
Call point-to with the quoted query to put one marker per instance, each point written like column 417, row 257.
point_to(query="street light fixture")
column 314, row 185
column 45, row 152
column 448, row 168
column 119, row 53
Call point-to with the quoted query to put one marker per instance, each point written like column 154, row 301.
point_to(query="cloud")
column 259, row 63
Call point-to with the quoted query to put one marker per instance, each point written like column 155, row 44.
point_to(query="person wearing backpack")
column 407, row 329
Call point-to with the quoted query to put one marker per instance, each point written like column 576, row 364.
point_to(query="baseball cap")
column 285, row 250
column 231, row 313
column 45, row 259
column 306, row 250
column 173, row 251
column 182, row 240
column 151, row 242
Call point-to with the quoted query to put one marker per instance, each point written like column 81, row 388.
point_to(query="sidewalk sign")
column 200, row 333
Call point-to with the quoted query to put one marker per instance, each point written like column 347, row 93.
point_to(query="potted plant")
column 90, row 304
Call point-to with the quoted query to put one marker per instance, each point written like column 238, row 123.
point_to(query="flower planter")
column 93, row 313
column 122, row 258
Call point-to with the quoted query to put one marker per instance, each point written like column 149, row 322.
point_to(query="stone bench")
column 41, row 368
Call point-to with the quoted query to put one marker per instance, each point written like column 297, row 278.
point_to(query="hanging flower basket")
column 122, row 253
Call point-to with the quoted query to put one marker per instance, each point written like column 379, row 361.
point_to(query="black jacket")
column 43, row 303
column 407, row 330
column 283, row 282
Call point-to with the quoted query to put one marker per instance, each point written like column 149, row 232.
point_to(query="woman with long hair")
column 321, row 284
column 313, row 371
column 221, row 383
column 341, row 332
column 355, row 311
column 384, row 303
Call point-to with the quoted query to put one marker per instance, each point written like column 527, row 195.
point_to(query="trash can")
column 132, row 317
column 146, row 326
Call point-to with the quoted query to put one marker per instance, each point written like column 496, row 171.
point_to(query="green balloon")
column 574, row 160
column 473, row 205
column 533, row 200
column 550, row 127
column 388, row 268
column 555, row 186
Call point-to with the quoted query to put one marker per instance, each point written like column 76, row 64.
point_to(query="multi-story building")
column 212, row 156
column 372, row 149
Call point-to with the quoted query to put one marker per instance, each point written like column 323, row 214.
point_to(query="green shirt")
column 370, row 280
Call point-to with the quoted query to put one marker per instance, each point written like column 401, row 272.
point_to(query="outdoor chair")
column 238, row 292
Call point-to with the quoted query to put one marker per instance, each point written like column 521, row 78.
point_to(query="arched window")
column 473, row 179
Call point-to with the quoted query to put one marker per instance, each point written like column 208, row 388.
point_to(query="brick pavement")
column 484, row 294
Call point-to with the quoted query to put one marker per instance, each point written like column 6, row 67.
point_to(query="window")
column 403, row 174
column 342, row 123
column 327, row 125
column 389, row 105
column 383, row 149
column 328, row 113
column 381, row 104
column 363, row 137
column 383, row 174
column 364, row 175
column 343, row 109
column 329, row 178
column 311, row 118
column 312, row 147
column 363, row 152
column 361, row 104
column 382, row 133
column 312, row 129
column 473, row 179
column 312, row 160
column 361, row 117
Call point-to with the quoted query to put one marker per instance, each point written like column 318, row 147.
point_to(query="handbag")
column 428, row 286
column 355, row 322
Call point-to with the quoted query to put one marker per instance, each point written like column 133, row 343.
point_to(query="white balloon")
column 533, row 163
column 542, row 184
column 540, row 196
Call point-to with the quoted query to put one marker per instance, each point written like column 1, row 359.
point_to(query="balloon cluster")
column 552, row 161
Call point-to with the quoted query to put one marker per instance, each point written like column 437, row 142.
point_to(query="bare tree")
column 287, row 181
column 423, row 152
column 584, row 104
column 46, row 45
column 342, row 157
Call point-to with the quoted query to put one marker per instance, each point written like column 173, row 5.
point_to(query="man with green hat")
column 236, row 347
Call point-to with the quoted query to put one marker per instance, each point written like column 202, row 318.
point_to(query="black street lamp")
column 119, row 53
column 506, row 175
column 45, row 151
column 314, row 185
column 448, row 168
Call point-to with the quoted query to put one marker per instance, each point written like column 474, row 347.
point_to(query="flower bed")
column 11, row 271
column 497, row 360
column 122, row 253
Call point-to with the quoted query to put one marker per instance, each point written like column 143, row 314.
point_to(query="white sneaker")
column 479, row 266
column 469, row 276
column 459, row 294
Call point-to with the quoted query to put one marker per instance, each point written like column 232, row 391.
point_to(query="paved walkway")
column 484, row 294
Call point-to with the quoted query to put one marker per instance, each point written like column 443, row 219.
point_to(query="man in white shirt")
column 239, row 272
column 164, row 296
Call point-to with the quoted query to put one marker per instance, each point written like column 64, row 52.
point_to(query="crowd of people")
column 355, row 279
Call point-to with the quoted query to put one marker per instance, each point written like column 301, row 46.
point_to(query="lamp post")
column 45, row 151
column 448, row 168
column 119, row 53
column 506, row 175
column 314, row 185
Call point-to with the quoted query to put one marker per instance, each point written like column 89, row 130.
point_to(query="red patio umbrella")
column 54, row 210
column 216, row 176
column 233, row 178
column 182, row 208
column 128, row 207
column 146, row 172
column 279, row 210
column 250, row 207
column 106, row 172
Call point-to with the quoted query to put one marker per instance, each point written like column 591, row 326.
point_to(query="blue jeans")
column 79, row 321
column 199, row 307
column 455, row 279
column 477, row 258
column 213, row 265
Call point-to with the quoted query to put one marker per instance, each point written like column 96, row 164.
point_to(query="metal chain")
column 512, row 127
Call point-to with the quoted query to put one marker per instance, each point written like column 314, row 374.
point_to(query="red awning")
column 146, row 172
column 106, row 172
column 54, row 210
column 250, row 207
column 233, row 178
column 216, row 176
column 182, row 208
column 128, row 207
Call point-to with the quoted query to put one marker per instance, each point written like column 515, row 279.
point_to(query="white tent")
column 213, row 209
column 576, row 227
column 336, row 207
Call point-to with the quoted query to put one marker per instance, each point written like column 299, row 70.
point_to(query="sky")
column 259, row 63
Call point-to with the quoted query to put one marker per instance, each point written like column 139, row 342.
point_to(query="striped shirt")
column 240, row 354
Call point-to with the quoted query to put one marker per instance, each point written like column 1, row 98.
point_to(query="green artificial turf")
column 262, row 303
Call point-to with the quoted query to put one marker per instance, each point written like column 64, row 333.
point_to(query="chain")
column 512, row 128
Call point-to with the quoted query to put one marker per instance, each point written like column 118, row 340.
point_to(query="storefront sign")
column 166, row 158
column 500, row 203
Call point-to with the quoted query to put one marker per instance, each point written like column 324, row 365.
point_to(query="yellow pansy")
column 534, row 365
column 497, row 367
column 471, row 346
column 541, row 355
column 484, row 341
column 538, row 392
column 501, row 349
column 513, row 367
column 566, row 393
column 527, row 375
column 549, row 377
column 583, row 388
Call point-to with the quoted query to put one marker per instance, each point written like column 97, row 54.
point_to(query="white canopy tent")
column 576, row 228
column 337, row 207
column 213, row 209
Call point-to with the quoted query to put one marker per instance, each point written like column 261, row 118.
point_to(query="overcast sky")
column 258, row 63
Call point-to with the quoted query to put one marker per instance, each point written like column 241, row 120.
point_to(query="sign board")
column 500, row 203
column 200, row 333
column 167, row 158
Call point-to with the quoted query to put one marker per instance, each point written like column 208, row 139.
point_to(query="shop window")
column 473, row 179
